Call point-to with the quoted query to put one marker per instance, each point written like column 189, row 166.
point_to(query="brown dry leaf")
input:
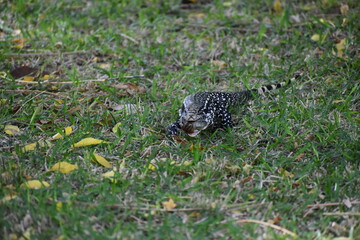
column 11, row 129
column 102, row 161
column 23, row 71
column 196, row 15
column 218, row 63
column 9, row 197
column 169, row 205
column 179, row 140
column 63, row 167
column 129, row 89
column 28, row 78
column 19, row 43
column 105, row 66
column 87, row 142
column 34, row 184
column 277, row 6
column 298, row 157
column 286, row 173
column 344, row 9
column 340, row 47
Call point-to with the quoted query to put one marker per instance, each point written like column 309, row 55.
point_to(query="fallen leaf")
column 63, row 167
column 102, row 161
column 277, row 6
column 20, row 42
column 344, row 22
column 115, row 129
column 169, row 205
column 218, row 63
column 315, row 37
column 87, row 142
column 247, row 168
column 47, row 77
column 151, row 167
column 129, row 89
column 11, row 129
column 110, row 175
column 28, row 78
column 298, row 157
column 59, row 206
column 29, row 147
column 340, row 47
column 68, row 131
column 23, row 71
column 9, row 197
column 34, row 184
column 344, row 9
column 129, row 108
column 105, row 66
column 286, row 173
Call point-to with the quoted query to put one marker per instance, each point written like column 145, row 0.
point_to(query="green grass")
column 295, row 147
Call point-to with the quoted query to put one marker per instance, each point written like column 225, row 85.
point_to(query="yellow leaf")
column 88, row 142
column 3, row 101
column 151, row 167
column 122, row 165
column 116, row 127
column 315, row 37
column 277, row 6
column 59, row 206
column 227, row 4
column 28, row 78
column 29, row 147
column 344, row 22
column 47, row 76
column 63, row 167
column 9, row 197
column 340, row 47
column 68, row 131
column 34, row 184
column 169, row 205
column 102, row 161
column 11, row 129
column 110, row 175
column 247, row 168
column 58, row 103
column 20, row 43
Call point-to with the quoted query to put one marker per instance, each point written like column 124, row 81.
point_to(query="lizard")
column 204, row 109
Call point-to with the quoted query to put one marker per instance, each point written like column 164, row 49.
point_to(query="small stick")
column 45, row 54
column 30, row 91
column 342, row 213
column 330, row 204
column 56, row 82
column 284, row 230
column 129, row 38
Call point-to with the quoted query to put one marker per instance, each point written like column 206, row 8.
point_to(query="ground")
column 117, row 72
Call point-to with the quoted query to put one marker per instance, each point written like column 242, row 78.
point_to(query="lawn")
column 89, row 88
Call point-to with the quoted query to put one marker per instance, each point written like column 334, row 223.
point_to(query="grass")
column 292, row 149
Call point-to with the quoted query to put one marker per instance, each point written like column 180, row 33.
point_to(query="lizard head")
column 193, row 119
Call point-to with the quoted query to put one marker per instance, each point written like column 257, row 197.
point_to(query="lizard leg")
column 225, row 120
column 173, row 128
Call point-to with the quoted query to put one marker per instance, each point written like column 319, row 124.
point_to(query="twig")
column 122, row 207
column 342, row 213
column 30, row 91
column 46, row 54
column 284, row 230
column 134, row 76
column 56, row 82
column 330, row 204
column 129, row 38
